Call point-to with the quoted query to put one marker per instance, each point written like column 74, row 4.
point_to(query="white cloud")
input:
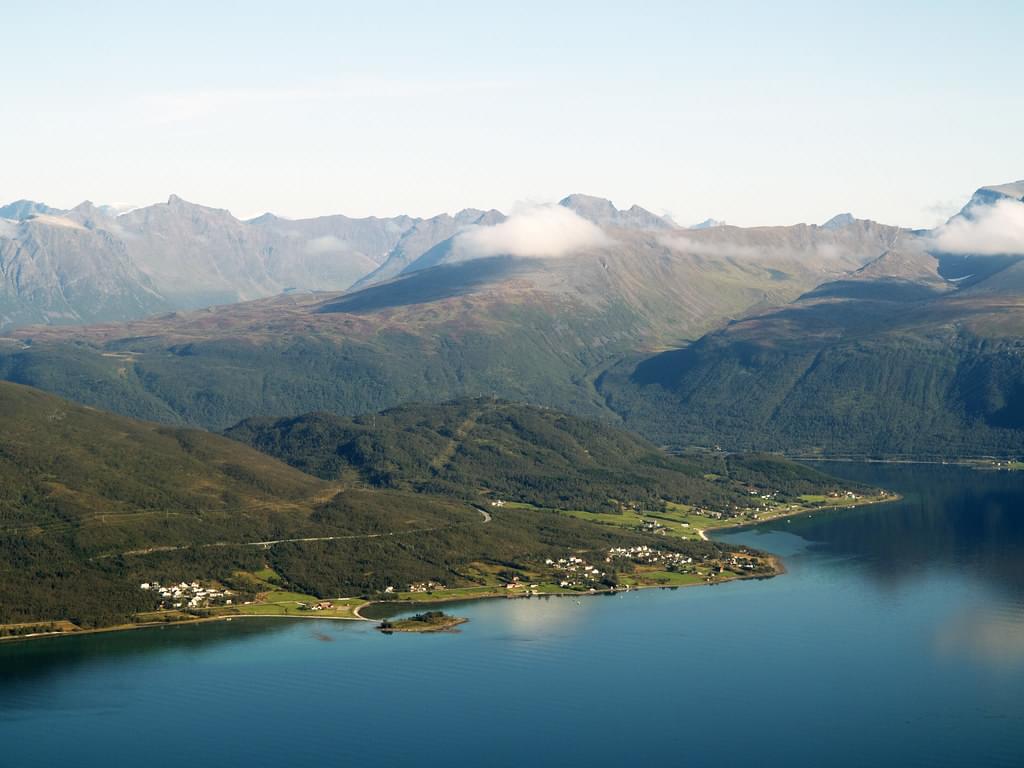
column 711, row 248
column 543, row 231
column 992, row 229
column 326, row 244
column 766, row 251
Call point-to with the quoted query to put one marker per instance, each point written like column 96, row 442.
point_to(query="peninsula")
column 119, row 523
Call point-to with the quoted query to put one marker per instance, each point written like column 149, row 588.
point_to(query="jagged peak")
column 707, row 224
column 477, row 216
column 603, row 212
column 19, row 210
column 178, row 203
column 266, row 218
column 578, row 200
column 1013, row 189
column 840, row 220
column 989, row 195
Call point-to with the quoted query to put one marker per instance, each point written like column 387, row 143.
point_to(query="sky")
column 753, row 113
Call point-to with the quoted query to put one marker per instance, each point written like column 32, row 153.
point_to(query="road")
column 267, row 544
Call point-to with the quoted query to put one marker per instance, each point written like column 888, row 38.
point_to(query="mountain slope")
column 53, row 269
column 92, row 505
column 79, row 484
column 894, row 361
column 496, row 449
column 530, row 329
column 986, row 196
column 604, row 213
column 422, row 237
column 92, row 264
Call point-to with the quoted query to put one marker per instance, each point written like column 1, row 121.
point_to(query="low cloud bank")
column 728, row 249
column 326, row 244
column 992, row 229
column 543, row 231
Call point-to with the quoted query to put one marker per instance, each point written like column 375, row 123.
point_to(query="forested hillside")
column 93, row 504
column 487, row 449
column 870, row 367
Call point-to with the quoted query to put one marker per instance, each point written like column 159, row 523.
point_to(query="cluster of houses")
column 653, row 526
column 518, row 583
column 701, row 512
column 645, row 555
column 577, row 571
column 843, row 495
column 1007, row 464
column 743, row 563
column 426, row 586
column 187, row 595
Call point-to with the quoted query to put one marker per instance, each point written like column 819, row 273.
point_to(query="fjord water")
column 895, row 638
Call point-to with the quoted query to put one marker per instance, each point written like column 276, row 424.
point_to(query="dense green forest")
column 814, row 381
column 215, row 382
column 93, row 504
column 847, row 377
column 484, row 449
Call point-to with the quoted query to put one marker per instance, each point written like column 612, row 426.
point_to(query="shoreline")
column 184, row 623
column 702, row 532
column 779, row 570
column 971, row 462
column 778, row 566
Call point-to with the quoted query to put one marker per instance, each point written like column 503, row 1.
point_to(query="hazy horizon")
column 798, row 114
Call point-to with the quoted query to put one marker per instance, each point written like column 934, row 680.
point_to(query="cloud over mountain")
column 992, row 229
column 548, row 231
column 326, row 244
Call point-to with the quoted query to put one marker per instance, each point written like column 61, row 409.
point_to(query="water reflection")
column 995, row 638
column 548, row 613
column 896, row 638
column 29, row 662
column 951, row 519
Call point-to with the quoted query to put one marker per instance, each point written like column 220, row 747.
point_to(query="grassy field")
column 667, row 578
column 291, row 604
column 681, row 521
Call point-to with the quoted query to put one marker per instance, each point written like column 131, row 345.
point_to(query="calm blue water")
column 896, row 638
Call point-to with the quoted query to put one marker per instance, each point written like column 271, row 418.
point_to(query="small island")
column 428, row 621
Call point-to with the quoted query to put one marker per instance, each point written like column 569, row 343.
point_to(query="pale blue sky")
column 750, row 112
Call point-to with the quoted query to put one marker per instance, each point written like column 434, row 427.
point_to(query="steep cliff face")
column 55, row 270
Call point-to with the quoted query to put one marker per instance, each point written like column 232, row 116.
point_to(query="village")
column 426, row 587
column 188, row 595
column 577, row 572
column 644, row 555
column 766, row 501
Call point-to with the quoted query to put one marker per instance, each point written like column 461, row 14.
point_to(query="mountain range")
column 94, row 264
column 91, row 263
column 851, row 337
